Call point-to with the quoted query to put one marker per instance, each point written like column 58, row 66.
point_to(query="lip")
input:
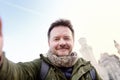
column 63, row 50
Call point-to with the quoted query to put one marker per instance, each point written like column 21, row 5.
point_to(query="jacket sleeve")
column 19, row 71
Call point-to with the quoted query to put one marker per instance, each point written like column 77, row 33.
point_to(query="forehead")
column 61, row 30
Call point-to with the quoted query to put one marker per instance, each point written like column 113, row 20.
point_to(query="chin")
column 63, row 54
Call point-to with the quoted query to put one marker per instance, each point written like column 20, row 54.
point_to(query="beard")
column 61, row 50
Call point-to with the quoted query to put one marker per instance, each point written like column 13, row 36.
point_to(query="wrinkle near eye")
column 56, row 39
column 67, row 38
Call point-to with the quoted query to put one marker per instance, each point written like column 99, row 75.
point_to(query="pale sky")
column 25, row 25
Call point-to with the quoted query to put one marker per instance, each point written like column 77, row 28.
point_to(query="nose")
column 62, row 42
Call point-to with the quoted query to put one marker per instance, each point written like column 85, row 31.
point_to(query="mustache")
column 63, row 47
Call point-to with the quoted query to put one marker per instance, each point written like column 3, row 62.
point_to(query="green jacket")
column 30, row 70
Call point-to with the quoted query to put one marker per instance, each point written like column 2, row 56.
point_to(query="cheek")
column 53, row 44
column 71, row 43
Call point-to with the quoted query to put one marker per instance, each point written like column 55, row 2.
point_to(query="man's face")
column 61, row 41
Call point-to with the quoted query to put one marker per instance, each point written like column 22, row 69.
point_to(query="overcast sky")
column 25, row 25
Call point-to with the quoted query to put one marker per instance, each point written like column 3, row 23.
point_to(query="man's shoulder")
column 83, row 62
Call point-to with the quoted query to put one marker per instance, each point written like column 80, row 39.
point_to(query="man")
column 63, row 62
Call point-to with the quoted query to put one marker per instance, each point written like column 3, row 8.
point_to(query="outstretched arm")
column 1, row 42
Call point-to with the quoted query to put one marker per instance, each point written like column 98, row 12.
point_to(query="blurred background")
column 96, row 22
column 25, row 25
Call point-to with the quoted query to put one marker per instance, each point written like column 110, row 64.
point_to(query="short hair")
column 61, row 22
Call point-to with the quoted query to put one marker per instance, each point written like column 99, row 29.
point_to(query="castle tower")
column 87, row 51
column 117, row 45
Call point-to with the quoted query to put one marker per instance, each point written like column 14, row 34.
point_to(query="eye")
column 56, row 39
column 66, row 38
